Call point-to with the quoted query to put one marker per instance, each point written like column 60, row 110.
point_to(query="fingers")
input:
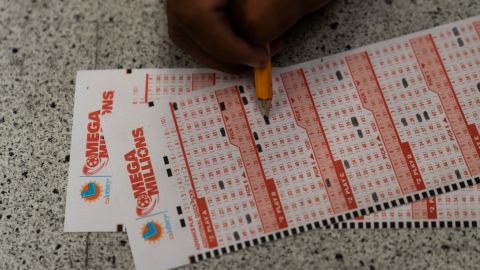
column 215, row 35
column 185, row 43
column 263, row 21
column 207, row 29
column 277, row 46
column 203, row 29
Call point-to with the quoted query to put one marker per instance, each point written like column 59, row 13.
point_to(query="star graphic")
column 142, row 152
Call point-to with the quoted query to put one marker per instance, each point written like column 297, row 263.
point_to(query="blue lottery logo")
column 152, row 231
column 90, row 191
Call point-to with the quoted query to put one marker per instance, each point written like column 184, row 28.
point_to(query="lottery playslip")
column 91, row 192
column 204, row 173
column 372, row 129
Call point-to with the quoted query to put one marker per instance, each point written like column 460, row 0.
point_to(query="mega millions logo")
column 91, row 191
column 96, row 150
column 142, row 176
column 152, row 231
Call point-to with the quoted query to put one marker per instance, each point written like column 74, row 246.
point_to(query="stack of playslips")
column 384, row 136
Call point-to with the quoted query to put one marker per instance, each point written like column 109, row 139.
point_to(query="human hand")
column 266, row 21
column 209, row 29
column 205, row 30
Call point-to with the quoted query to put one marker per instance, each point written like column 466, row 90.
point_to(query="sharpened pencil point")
column 265, row 106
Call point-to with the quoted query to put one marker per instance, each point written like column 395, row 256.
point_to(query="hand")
column 209, row 29
column 204, row 29
column 264, row 21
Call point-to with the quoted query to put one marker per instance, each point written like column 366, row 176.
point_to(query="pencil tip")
column 265, row 112
column 265, row 106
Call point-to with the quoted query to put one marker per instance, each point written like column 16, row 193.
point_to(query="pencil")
column 263, row 86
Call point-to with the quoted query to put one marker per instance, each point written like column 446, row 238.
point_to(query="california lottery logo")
column 152, row 231
column 91, row 191
column 96, row 149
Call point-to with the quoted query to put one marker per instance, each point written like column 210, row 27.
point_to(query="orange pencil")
column 263, row 86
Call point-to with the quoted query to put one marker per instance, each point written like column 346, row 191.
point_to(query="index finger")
column 216, row 36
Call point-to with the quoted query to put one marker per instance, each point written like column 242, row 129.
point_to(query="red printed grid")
column 218, row 179
column 217, row 143
column 158, row 84
column 458, row 206
column 413, row 107
column 452, row 53
column 348, row 135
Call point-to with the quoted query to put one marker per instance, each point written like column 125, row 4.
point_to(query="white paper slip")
column 460, row 45
column 89, row 191
column 432, row 73
column 451, row 209
column 457, row 209
column 91, row 203
column 206, row 174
